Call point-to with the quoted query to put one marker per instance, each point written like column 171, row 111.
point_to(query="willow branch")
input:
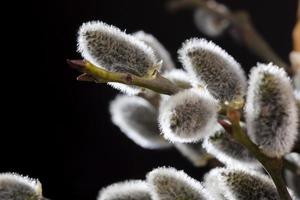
column 273, row 166
column 241, row 28
column 156, row 82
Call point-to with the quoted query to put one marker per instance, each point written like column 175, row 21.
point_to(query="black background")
column 59, row 130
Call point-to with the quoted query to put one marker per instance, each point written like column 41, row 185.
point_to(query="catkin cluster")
column 191, row 120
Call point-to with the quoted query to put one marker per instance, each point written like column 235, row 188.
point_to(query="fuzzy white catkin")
column 130, row 90
column 240, row 184
column 271, row 111
column 179, row 77
column 211, row 65
column 221, row 145
column 160, row 51
column 108, row 47
column 137, row 118
column 210, row 24
column 188, row 116
column 127, row 190
column 171, row 184
column 293, row 180
column 16, row 187
column 194, row 152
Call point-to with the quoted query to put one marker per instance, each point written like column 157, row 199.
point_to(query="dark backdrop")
column 58, row 129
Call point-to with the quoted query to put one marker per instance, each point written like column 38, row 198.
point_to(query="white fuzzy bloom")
column 179, row 77
column 108, row 47
column 228, row 151
column 211, row 65
column 194, row 152
column 16, row 187
column 130, row 90
column 210, row 24
column 137, row 118
column 240, row 184
column 188, row 116
column 171, row 184
column 160, row 51
column 293, row 180
column 271, row 111
column 127, row 190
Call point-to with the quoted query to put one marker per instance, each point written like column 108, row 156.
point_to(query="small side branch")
column 241, row 29
column 156, row 82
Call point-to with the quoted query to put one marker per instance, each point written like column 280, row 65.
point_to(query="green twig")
column 156, row 82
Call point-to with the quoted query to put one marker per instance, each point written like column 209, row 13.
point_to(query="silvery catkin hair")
column 108, row 47
column 188, row 116
column 240, row 184
column 270, row 110
column 194, row 152
column 180, row 77
column 127, row 190
column 171, row 184
column 211, row 65
column 221, row 145
column 160, row 51
column 137, row 118
column 16, row 187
